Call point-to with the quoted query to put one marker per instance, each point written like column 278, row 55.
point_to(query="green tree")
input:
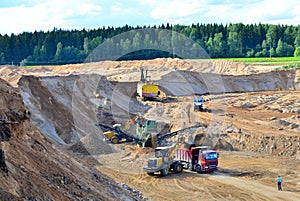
column 86, row 45
column 36, row 53
column 2, row 58
column 289, row 35
column 70, row 54
column 147, row 41
column 273, row 35
column 194, row 35
column 43, row 53
column 297, row 40
column 95, row 42
column 58, row 53
column 125, row 45
column 250, row 53
column 137, row 41
column 284, row 49
column 235, row 44
column 215, row 45
column 297, row 52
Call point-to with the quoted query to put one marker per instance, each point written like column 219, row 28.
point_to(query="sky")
column 18, row 16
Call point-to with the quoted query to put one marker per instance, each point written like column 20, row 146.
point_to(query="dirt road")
column 254, row 182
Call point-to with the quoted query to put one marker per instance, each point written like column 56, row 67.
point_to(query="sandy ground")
column 247, row 174
column 264, row 105
column 241, row 176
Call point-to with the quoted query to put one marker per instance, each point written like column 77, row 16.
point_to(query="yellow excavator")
column 147, row 89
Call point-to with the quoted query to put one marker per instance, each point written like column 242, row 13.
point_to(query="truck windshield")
column 198, row 100
column 160, row 153
column 211, row 156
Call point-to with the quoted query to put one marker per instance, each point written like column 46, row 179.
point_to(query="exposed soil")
column 34, row 167
column 252, row 115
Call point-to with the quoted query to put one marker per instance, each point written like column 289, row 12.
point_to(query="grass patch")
column 264, row 60
column 290, row 66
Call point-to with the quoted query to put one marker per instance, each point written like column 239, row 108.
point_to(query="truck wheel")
column 114, row 140
column 164, row 172
column 198, row 169
column 150, row 173
column 178, row 168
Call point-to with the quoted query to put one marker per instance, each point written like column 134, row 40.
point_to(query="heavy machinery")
column 115, row 135
column 200, row 159
column 160, row 138
column 146, row 89
column 164, row 160
column 198, row 104
column 144, row 129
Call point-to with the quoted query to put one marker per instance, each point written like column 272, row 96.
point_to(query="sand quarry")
column 53, row 151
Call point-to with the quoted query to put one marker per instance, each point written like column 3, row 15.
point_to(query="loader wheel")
column 114, row 140
column 164, row 172
column 178, row 168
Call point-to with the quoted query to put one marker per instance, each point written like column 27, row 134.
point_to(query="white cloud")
column 173, row 11
column 121, row 9
column 230, row 11
column 44, row 16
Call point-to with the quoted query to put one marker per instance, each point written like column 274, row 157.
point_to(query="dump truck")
column 164, row 160
column 198, row 104
column 200, row 159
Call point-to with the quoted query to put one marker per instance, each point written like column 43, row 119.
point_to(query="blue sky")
column 35, row 15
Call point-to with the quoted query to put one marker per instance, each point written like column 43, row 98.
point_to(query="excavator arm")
column 161, row 138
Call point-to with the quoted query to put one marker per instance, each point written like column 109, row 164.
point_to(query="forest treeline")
column 219, row 41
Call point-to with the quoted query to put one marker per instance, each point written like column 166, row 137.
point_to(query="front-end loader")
column 163, row 161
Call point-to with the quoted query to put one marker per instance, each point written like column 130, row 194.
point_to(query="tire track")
column 258, row 190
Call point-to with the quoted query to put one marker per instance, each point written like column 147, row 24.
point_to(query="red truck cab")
column 200, row 159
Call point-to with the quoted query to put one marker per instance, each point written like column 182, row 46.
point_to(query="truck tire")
column 150, row 173
column 164, row 172
column 178, row 168
column 198, row 169
column 200, row 108
column 114, row 140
